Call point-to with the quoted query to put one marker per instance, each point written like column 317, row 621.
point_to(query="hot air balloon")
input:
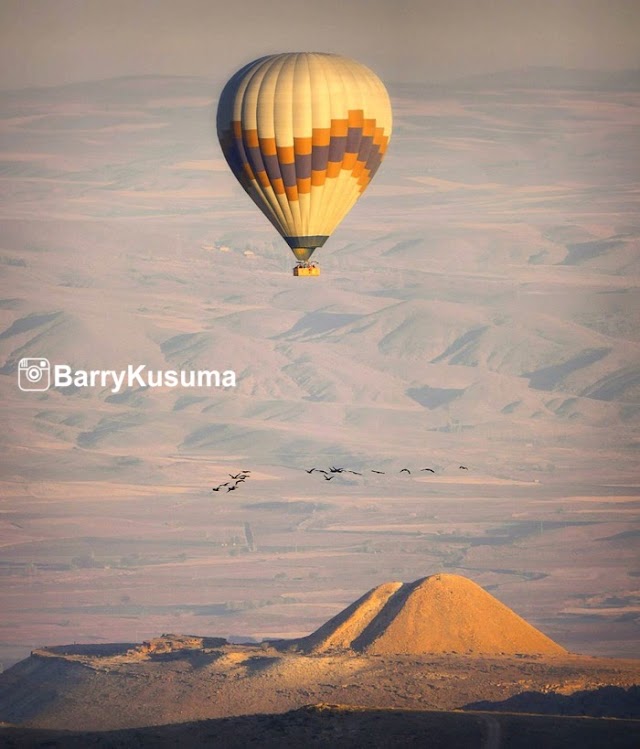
column 304, row 133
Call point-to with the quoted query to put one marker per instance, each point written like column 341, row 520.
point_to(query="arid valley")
column 477, row 315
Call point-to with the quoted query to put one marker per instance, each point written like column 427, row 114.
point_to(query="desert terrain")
column 478, row 308
column 436, row 645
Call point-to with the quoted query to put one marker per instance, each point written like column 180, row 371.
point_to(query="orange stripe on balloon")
column 368, row 128
column 268, row 146
column 291, row 192
column 321, row 136
column 251, row 138
column 333, row 168
column 364, row 179
column 286, row 154
column 302, row 146
column 318, row 177
column 339, row 128
column 349, row 160
column 357, row 169
column 356, row 118
column 304, row 186
column 263, row 178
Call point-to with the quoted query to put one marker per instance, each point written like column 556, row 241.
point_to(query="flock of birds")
column 333, row 471
column 329, row 474
column 235, row 482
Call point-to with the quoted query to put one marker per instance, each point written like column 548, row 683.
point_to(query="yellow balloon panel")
column 304, row 133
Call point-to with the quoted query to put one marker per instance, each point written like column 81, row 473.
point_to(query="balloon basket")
column 306, row 270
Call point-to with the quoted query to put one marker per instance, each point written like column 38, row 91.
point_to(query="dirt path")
column 493, row 737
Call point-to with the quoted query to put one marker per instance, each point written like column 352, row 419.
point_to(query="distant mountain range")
column 531, row 77
column 538, row 77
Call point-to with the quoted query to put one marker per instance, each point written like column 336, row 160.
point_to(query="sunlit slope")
column 439, row 614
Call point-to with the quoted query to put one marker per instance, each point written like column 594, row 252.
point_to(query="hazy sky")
column 46, row 42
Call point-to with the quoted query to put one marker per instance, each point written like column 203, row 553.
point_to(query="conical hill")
column 438, row 614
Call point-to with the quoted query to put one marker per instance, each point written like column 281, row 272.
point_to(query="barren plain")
column 478, row 307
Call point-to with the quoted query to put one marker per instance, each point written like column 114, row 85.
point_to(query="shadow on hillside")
column 324, row 726
column 605, row 702
column 105, row 649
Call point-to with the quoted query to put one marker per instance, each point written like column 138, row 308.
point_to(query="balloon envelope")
column 304, row 133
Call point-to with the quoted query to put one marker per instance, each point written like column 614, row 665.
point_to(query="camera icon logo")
column 34, row 374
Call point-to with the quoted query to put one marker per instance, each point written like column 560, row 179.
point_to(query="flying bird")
column 215, row 489
column 374, row 471
column 464, row 468
column 333, row 469
column 237, row 476
column 231, row 488
column 355, row 473
column 328, row 478
column 405, row 469
column 428, row 469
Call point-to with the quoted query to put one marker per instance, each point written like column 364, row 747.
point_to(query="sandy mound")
column 437, row 614
column 340, row 632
